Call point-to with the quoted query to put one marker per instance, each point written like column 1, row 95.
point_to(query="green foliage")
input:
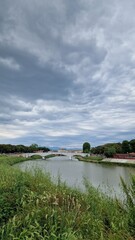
column 109, row 151
column 33, row 207
column 11, row 160
column 132, row 145
column 8, row 148
column 96, row 158
column 125, row 146
column 130, row 204
column 89, row 158
column 86, row 147
column 98, row 150
column 34, row 157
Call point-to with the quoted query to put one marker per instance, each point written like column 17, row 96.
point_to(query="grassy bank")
column 11, row 160
column 119, row 164
column 98, row 159
column 32, row 207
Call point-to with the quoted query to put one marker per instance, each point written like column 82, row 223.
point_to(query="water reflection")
column 73, row 173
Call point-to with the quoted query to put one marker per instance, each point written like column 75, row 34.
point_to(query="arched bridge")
column 68, row 154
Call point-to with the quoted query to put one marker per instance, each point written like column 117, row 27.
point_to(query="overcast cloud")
column 67, row 72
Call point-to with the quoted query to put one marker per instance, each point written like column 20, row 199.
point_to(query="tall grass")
column 32, row 207
column 11, row 160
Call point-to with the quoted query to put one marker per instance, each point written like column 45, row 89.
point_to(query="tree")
column 86, row 147
column 33, row 147
column 110, row 151
column 132, row 145
column 125, row 146
column 118, row 147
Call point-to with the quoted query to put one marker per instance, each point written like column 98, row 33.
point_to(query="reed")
column 32, row 207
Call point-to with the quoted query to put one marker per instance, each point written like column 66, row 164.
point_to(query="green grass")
column 35, row 157
column 98, row 159
column 89, row 158
column 11, row 160
column 32, row 207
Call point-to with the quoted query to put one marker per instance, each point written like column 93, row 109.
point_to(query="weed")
column 32, row 207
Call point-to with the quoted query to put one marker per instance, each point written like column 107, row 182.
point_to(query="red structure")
column 125, row 156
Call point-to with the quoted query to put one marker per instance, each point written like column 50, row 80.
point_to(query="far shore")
column 120, row 162
column 91, row 159
column 110, row 161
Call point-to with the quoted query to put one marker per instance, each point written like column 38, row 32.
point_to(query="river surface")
column 73, row 172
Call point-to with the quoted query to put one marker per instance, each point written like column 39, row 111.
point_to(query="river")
column 73, row 172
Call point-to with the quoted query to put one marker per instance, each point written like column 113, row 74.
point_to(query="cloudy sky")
column 67, row 72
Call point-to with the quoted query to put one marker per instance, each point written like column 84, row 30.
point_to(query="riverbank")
column 117, row 160
column 13, row 159
column 111, row 161
column 87, row 158
column 33, row 207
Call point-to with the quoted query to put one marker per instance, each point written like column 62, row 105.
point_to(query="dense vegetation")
column 34, row 208
column 8, row 148
column 110, row 149
column 86, row 147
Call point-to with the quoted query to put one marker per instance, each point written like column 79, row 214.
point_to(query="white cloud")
column 77, row 61
column 10, row 63
column 11, row 132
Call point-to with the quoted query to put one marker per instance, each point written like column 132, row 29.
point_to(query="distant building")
column 63, row 150
column 39, row 151
column 125, row 156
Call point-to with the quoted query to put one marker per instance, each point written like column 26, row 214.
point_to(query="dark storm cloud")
column 67, row 71
column 36, row 82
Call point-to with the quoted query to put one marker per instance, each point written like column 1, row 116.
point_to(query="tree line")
column 8, row 148
column 109, row 149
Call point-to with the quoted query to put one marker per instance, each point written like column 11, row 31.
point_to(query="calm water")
column 73, row 172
